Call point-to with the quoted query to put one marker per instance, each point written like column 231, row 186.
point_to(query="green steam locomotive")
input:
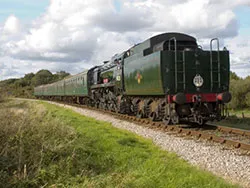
column 168, row 77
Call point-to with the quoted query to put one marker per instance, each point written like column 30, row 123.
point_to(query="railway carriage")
column 38, row 91
column 168, row 77
column 60, row 88
column 76, row 85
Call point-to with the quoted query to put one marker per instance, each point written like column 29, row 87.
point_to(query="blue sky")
column 243, row 16
column 25, row 10
column 117, row 4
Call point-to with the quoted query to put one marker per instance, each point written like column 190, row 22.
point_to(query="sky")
column 76, row 35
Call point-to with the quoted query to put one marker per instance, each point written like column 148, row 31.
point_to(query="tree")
column 60, row 75
column 42, row 77
column 24, row 87
column 234, row 76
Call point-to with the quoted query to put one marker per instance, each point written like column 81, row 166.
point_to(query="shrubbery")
column 240, row 89
column 24, row 87
column 29, row 144
column 2, row 98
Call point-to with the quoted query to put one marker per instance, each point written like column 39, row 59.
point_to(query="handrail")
column 175, row 49
column 211, row 61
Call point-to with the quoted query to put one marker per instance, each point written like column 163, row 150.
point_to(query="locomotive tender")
column 165, row 78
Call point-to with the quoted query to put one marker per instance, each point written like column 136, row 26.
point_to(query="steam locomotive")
column 168, row 77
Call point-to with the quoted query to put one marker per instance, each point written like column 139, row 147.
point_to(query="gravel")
column 229, row 164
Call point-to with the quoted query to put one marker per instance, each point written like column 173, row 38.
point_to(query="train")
column 168, row 77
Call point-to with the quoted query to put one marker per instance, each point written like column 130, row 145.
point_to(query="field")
column 42, row 145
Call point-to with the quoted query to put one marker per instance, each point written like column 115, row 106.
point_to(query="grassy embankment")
column 45, row 145
column 238, row 119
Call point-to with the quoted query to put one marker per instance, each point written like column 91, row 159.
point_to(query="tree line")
column 240, row 90
column 24, row 87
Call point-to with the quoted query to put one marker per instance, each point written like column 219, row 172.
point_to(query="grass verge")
column 239, row 119
column 42, row 145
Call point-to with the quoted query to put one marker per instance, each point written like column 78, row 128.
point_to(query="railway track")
column 235, row 138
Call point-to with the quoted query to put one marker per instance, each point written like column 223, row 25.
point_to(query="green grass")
column 236, row 119
column 61, row 148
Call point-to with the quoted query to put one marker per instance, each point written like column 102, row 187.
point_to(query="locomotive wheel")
column 167, row 120
column 96, row 105
column 139, row 114
column 175, row 119
column 152, row 116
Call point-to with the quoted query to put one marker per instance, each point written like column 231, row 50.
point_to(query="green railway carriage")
column 73, row 86
column 54, row 89
column 38, row 91
column 76, row 85
column 50, row 90
column 60, row 88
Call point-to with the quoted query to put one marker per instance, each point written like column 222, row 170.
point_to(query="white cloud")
column 80, row 33
column 12, row 26
column 240, row 48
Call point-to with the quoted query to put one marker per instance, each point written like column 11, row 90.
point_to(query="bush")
column 2, row 98
column 240, row 90
column 29, row 144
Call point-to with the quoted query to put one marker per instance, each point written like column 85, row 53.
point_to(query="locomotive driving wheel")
column 153, row 116
column 167, row 120
column 173, row 119
column 140, row 114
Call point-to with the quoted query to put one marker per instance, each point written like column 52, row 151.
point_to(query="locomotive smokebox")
column 225, row 97
column 179, row 98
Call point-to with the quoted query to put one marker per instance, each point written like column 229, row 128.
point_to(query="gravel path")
column 228, row 164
